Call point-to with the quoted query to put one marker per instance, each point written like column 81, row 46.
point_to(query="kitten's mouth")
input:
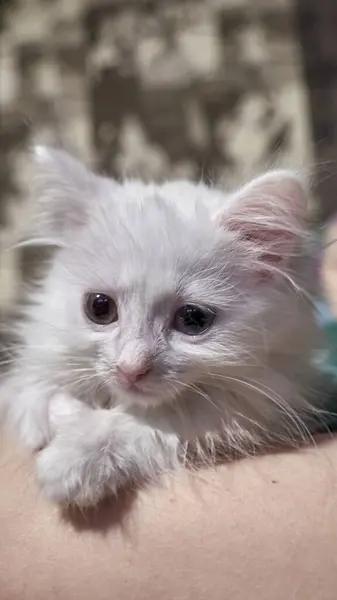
column 134, row 389
column 151, row 391
column 141, row 395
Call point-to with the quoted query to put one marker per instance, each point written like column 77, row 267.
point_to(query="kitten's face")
column 157, row 299
column 159, row 288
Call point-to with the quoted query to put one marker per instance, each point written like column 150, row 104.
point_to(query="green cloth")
column 328, row 364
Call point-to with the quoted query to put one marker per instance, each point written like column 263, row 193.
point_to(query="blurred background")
column 166, row 88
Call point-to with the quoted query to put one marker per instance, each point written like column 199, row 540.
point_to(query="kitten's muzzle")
column 129, row 375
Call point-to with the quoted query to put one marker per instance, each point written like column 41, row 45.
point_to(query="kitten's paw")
column 33, row 429
column 67, row 476
column 26, row 414
column 38, row 425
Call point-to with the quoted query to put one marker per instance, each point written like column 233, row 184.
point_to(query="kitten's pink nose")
column 129, row 373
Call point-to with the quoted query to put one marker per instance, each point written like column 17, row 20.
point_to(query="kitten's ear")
column 62, row 190
column 269, row 216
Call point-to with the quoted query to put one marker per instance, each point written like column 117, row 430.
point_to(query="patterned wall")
column 157, row 88
column 317, row 33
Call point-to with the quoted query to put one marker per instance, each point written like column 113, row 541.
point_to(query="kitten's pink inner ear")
column 269, row 215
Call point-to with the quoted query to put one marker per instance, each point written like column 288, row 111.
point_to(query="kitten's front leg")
column 96, row 452
column 25, row 411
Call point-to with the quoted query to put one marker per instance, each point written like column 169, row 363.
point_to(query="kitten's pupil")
column 100, row 308
column 192, row 320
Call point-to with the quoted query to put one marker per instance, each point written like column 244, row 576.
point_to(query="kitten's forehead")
column 150, row 233
column 155, row 222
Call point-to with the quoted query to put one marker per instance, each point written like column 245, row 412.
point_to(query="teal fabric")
column 328, row 363
column 329, row 324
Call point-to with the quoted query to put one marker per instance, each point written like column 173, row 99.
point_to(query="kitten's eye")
column 100, row 308
column 192, row 320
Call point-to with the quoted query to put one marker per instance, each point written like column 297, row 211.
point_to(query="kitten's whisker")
column 83, row 370
column 8, row 361
column 177, row 404
column 253, row 422
column 195, row 388
column 282, row 404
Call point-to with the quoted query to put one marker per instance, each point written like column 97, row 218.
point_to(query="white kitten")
column 173, row 317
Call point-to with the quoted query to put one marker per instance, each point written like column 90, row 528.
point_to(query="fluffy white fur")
column 244, row 382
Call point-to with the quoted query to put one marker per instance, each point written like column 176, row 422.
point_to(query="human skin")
column 260, row 529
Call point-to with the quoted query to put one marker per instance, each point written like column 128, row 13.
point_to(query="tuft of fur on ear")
column 269, row 216
column 61, row 193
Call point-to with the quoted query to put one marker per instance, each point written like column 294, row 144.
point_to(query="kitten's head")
column 160, row 288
